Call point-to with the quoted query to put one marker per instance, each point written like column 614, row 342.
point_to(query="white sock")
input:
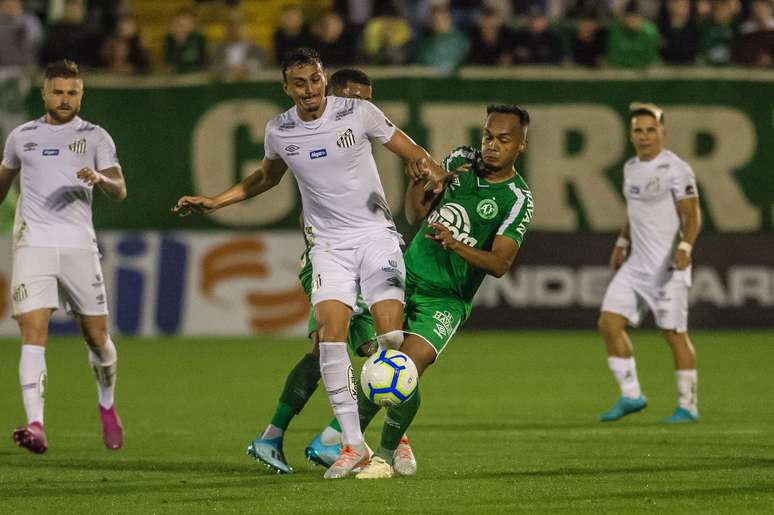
column 33, row 376
column 330, row 436
column 272, row 432
column 625, row 372
column 336, row 371
column 687, row 382
column 104, row 362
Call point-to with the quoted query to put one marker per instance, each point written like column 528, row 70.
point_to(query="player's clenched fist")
column 90, row 177
column 198, row 204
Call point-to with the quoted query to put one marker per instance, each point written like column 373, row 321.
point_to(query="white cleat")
column 377, row 469
column 349, row 458
column 404, row 462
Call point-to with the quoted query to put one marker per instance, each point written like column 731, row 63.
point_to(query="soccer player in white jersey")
column 652, row 257
column 56, row 262
column 326, row 142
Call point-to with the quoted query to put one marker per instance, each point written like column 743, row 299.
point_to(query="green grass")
column 508, row 424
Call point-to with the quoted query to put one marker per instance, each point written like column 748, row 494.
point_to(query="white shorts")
column 58, row 277
column 374, row 270
column 633, row 296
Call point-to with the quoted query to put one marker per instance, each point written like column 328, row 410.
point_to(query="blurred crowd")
column 443, row 34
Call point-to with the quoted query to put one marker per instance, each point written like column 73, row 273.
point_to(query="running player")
column 56, row 262
column 663, row 223
column 326, row 142
column 474, row 228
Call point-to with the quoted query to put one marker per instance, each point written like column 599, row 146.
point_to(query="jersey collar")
column 315, row 124
column 56, row 128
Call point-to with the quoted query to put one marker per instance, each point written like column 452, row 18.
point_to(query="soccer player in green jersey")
column 472, row 228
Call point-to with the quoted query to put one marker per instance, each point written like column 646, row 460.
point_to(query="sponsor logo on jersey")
column 664, row 166
column 316, row 154
column 287, row 126
column 78, row 146
column 487, row 209
column 456, row 219
column 634, row 189
column 525, row 221
column 292, row 149
column 345, row 112
column 443, row 327
column 30, row 146
column 50, row 151
column 29, row 128
column 345, row 139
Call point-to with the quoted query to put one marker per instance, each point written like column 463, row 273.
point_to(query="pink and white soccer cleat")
column 112, row 430
column 31, row 437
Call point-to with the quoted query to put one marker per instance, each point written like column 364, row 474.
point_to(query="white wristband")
column 684, row 245
column 622, row 242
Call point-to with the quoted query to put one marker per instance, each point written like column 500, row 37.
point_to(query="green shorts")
column 361, row 327
column 434, row 319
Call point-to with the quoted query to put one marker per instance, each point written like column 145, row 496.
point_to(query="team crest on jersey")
column 345, row 139
column 78, row 146
column 19, row 293
column 653, row 185
column 456, row 219
column 487, row 209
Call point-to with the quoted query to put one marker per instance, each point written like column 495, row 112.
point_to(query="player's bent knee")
column 390, row 340
column 609, row 324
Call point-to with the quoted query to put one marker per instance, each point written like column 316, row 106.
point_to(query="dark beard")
column 56, row 116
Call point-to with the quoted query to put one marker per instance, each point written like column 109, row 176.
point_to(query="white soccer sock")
column 336, row 371
column 687, row 381
column 104, row 362
column 33, row 376
column 330, row 436
column 625, row 372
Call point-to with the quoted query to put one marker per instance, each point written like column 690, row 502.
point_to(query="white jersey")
column 332, row 161
column 652, row 189
column 54, row 208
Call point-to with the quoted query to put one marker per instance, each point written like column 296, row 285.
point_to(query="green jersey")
column 475, row 211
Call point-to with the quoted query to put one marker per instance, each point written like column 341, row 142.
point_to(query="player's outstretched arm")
column 419, row 201
column 690, row 225
column 620, row 249
column 265, row 178
column 496, row 262
column 7, row 176
column 420, row 163
column 110, row 181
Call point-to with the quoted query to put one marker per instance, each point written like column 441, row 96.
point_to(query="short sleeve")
column 683, row 182
column 10, row 157
column 458, row 157
column 106, row 156
column 269, row 152
column 375, row 123
column 517, row 221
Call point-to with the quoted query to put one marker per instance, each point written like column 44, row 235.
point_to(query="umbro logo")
column 345, row 139
column 292, row 150
column 30, row 146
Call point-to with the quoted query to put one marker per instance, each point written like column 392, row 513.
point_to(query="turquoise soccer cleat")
column 681, row 416
column 624, row 406
column 269, row 452
column 321, row 454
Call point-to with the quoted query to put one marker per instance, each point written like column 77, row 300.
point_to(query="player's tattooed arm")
column 620, row 249
column 496, row 262
column 7, row 175
column 110, row 181
column 690, row 225
column 265, row 178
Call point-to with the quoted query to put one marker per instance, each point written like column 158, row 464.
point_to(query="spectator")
column 633, row 40
column 538, row 43
column 679, row 33
column 386, row 38
column 20, row 35
column 443, row 46
column 336, row 44
column 123, row 52
column 717, row 34
column 755, row 44
column 589, row 41
column 70, row 38
column 236, row 57
column 293, row 32
column 492, row 43
column 185, row 49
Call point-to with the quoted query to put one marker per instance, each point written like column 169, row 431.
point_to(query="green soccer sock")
column 366, row 409
column 396, row 423
column 301, row 383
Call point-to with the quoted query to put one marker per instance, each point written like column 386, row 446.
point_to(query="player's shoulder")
column 460, row 156
column 30, row 127
column 283, row 122
column 671, row 159
column 631, row 162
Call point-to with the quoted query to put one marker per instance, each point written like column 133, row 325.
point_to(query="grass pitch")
column 508, row 424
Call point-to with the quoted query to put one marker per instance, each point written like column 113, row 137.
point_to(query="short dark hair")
column 63, row 68
column 299, row 57
column 341, row 77
column 646, row 112
column 513, row 109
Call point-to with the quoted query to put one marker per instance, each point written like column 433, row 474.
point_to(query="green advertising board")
column 195, row 136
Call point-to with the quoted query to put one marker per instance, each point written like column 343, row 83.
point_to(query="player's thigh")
column 433, row 319
column 670, row 306
column 334, row 276
column 34, row 284
column 622, row 298
column 82, row 282
column 382, row 272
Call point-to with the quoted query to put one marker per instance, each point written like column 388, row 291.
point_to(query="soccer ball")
column 389, row 377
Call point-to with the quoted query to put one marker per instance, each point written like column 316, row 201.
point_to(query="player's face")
column 305, row 84
column 354, row 90
column 503, row 140
column 647, row 136
column 62, row 98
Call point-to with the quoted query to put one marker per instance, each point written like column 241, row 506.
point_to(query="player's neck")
column 506, row 174
column 53, row 121
column 310, row 116
column 644, row 158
